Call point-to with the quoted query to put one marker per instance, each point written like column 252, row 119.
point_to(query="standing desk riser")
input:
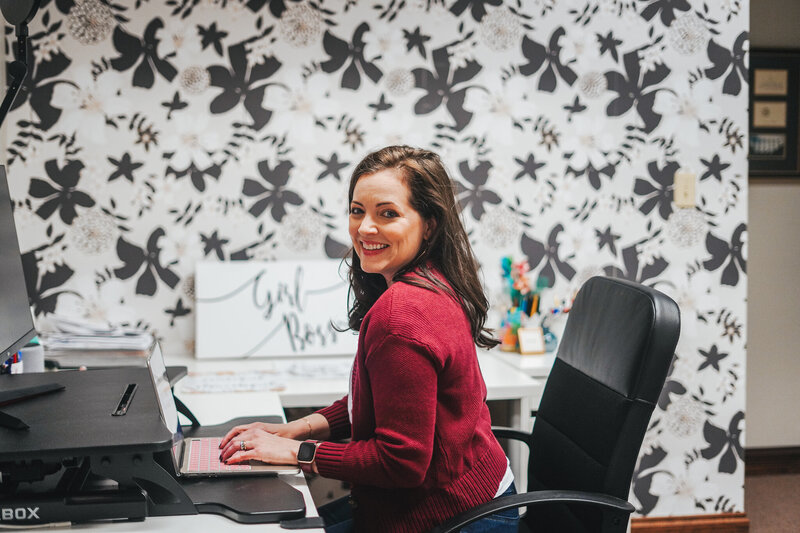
column 77, row 462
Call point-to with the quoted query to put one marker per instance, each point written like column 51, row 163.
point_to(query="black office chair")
column 611, row 365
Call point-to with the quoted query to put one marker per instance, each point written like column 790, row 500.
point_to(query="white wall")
column 773, row 361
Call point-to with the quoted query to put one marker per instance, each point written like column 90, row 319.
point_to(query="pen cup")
column 32, row 357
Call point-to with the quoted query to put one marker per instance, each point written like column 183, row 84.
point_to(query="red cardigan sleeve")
column 338, row 419
column 402, row 378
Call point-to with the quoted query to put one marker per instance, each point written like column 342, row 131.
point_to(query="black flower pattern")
column 335, row 249
column 536, row 252
column 144, row 51
column 416, row 40
column 724, row 59
column 712, row 357
column 714, row 168
column 731, row 252
column 64, row 196
column 725, row 444
column 213, row 243
column 607, row 238
column 666, row 8
column 658, row 194
column 212, row 37
column 529, row 167
column 275, row 197
column 340, row 51
column 135, row 258
column 537, row 55
column 125, row 167
column 276, row 7
column 441, row 87
column 643, row 479
column 631, row 88
column 634, row 268
column 477, row 7
column 45, row 288
column 475, row 196
column 242, row 83
column 671, row 386
column 197, row 175
column 37, row 88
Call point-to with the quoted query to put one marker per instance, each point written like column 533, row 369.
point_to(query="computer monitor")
column 16, row 323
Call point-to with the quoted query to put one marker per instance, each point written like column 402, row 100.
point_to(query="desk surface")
column 503, row 380
column 537, row 366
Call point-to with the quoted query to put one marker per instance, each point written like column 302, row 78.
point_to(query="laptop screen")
column 166, row 402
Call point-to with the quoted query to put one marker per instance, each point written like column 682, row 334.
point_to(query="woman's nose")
column 367, row 226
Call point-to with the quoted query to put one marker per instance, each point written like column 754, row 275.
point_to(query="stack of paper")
column 77, row 334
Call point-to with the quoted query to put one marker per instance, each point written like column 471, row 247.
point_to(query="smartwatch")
column 306, row 455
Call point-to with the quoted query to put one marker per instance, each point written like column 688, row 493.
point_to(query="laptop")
column 198, row 457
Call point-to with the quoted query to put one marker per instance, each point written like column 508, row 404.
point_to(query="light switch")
column 683, row 191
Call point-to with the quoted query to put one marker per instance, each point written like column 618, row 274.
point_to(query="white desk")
column 215, row 409
column 537, row 366
column 503, row 382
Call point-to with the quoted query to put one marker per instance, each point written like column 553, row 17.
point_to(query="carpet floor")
column 772, row 503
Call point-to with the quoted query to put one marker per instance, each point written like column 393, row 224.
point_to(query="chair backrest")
column 612, row 362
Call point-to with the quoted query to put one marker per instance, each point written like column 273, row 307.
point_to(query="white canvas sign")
column 280, row 308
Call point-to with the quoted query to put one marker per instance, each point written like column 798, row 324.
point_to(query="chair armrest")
column 593, row 499
column 501, row 432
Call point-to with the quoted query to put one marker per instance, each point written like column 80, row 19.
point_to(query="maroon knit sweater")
column 422, row 449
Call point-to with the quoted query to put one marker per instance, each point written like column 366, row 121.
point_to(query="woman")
column 421, row 447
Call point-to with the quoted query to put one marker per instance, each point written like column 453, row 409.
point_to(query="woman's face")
column 386, row 231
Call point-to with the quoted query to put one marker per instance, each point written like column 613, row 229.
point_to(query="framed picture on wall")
column 774, row 145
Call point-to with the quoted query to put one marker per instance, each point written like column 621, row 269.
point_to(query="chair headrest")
column 622, row 334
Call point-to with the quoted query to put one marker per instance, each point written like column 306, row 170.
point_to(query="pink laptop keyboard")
column 204, row 457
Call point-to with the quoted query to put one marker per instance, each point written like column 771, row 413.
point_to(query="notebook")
column 197, row 457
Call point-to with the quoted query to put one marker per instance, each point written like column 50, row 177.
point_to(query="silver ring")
column 242, row 445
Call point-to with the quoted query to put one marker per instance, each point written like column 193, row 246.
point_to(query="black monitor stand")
column 78, row 462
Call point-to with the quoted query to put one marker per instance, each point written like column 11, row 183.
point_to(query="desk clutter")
column 526, row 323
column 72, row 342
column 272, row 378
column 70, row 333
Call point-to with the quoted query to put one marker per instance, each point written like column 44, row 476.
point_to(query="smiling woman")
column 421, row 448
column 425, row 188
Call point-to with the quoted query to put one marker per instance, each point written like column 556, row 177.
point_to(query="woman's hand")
column 256, row 442
column 297, row 429
column 282, row 430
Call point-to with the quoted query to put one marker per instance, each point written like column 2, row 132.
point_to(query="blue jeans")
column 337, row 515
column 500, row 522
column 338, row 518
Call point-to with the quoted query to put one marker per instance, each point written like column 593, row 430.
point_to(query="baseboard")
column 715, row 523
column 770, row 461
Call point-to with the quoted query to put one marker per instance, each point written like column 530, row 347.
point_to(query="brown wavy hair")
column 446, row 250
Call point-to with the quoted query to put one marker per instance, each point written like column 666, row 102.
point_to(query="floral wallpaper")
column 150, row 134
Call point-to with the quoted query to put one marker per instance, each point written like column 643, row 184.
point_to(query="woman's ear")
column 430, row 226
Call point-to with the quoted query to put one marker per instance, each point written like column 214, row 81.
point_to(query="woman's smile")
column 373, row 248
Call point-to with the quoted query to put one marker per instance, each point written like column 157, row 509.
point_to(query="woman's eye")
column 390, row 213
column 356, row 211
